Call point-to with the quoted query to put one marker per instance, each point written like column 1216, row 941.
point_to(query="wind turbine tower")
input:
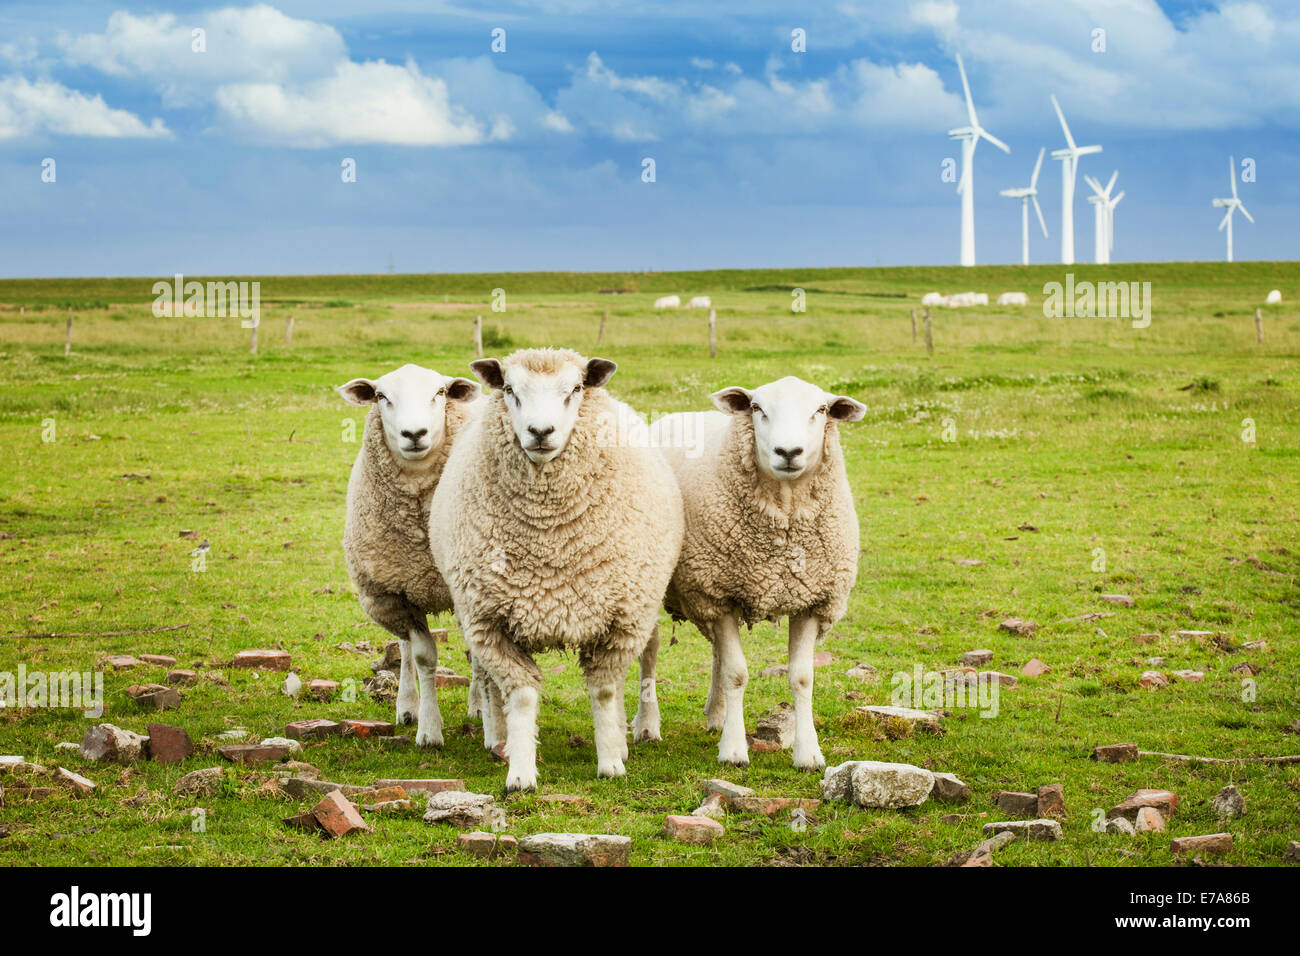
column 1069, row 158
column 970, row 137
column 1026, row 194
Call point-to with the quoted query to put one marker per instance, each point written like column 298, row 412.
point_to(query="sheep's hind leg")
column 493, row 709
column 732, row 748
column 715, row 708
column 425, row 654
column 645, row 726
column 803, row 635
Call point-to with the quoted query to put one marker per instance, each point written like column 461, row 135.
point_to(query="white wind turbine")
column 1104, row 216
column 1069, row 158
column 970, row 137
column 1025, row 194
column 1233, row 204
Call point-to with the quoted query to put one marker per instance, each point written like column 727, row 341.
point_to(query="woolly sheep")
column 771, row 532
column 934, row 298
column 415, row 413
column 668, row 302
column 1013, row 298
column 563, row 536
column 961, row 299
column 700, row 302
column 1274, row 297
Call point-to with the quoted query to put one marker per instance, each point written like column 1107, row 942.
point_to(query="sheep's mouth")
column 414, row 450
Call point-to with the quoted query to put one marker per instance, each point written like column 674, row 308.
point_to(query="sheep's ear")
column 845, row 409
column 733, row 401
column 489, row 372
column 359, row 391
column 461, row 390
column 599, row 371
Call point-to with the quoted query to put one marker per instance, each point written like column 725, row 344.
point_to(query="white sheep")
column 558, row 535
column 1013, row 298
column 700, row 302
column 962, row 299
column 1274, row 297
column 415, row 414
column 934, row 298
column 668, row 302
column 771, row 532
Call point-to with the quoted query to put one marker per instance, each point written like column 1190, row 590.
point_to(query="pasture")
column 1069, row 458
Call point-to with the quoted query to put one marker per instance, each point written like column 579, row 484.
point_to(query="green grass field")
column 1124, row 448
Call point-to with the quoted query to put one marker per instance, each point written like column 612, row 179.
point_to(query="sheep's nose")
column 540, row 432
column 415, row 435
column 787, row 454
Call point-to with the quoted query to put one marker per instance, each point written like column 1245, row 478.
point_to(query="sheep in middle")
column 565, row 534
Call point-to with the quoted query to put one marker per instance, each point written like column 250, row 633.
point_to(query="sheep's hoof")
column 518, row 783
column 647, row 735
column 405, row 717
column 714, row 726
column 738, row 758
column 428, row 739
column 814, row 763
column 612, row 768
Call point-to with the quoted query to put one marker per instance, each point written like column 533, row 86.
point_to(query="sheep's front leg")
column 408, row 692
column 732, row 748
column 645, row 726
column 715, row 708
column 425, row 654
column 491, row 706
column 803, row 636
column 516, row 680
column 605, row 672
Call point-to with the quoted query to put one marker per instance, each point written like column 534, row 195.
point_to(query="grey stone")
column 977, row 657
column 459, row 807
column 777, row 725
column 113, row 744
column 948, row 787
column 293, row 745
column 873, row 783
column 292, row 685
column 1034, row 830
column 574, row 849
column 200, row 782
column 883, row 713
column 1229, row 803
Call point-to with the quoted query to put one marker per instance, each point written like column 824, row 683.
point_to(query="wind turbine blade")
column 1111, row 185
column 995, row 141
column 1246, row 214
column 1226, row 216
column 1115, row 202
column 1096, row 186
column 1039, row 209
column 1033, row 180
column 970, row 104
column 1061, row 116
column 1232, row 175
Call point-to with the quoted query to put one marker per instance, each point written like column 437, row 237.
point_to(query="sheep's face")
column 543, row 406
column 412, row 406
column 790, row 418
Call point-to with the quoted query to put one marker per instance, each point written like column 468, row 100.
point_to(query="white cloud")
column 43, row 107
column 372, row 102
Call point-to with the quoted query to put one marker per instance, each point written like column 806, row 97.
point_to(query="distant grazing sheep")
column 668, row 302
column 700, row 302
column 415, row 414
column 967, row 299
column 1274, row 297
column 934, row 298
column 1013, row 298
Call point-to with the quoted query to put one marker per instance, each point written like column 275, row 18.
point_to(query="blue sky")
column 228, row 160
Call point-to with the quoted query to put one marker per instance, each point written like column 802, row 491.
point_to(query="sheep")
column 700, row 302
column 1274, row 297
column 563, row 537
column 1013, row 298
column 934, row 298
column 414, row 416
column 668, row 302
column 771, row 532
column 968, row 298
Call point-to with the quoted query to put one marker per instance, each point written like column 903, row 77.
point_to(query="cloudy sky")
column 224, row 151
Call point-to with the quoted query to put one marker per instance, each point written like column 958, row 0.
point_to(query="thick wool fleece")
column 757, row 547
column 574, row 552
column 386, row 535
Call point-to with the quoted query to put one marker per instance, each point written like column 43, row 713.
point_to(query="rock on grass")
column 697, row 830
column 111, row 744
column 872, row 783
column 1229, row 803
column 1033, row 830
column 1115, row 753
column 459, row 807
column 574, row 849
column 1213, row 843
column 204, row 782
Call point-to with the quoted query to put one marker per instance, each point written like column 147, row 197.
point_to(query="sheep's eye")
column 757, row 410
column 577, row 389
column 508, row 390
column 380, row 397
column 820, row 411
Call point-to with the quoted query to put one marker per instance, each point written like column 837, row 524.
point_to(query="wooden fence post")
column 914, row 326
column 478, row 336
column 713, row 334
column 600, row 336
column 929, row 338
column 1259, row 325
column 288, row 331
column 252, row 337
column 67, row 336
